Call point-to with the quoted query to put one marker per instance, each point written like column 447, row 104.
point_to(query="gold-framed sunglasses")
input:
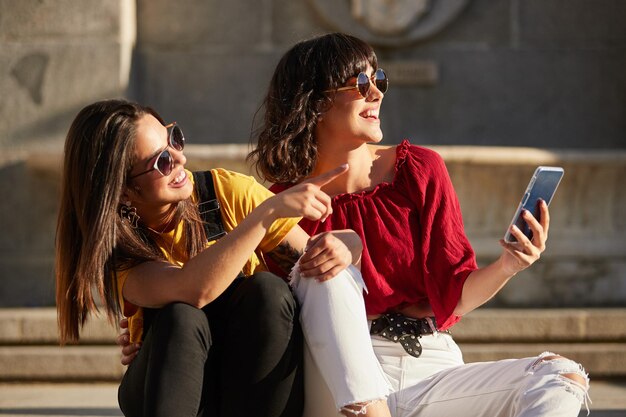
column 363, row 82
column 164, row 163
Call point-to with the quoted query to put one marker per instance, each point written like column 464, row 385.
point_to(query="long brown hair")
column 92, row 240
column 286, row 150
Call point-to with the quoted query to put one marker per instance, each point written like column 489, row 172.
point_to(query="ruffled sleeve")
column 446, row 257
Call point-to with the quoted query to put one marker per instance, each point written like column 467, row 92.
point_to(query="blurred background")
column 496, row 86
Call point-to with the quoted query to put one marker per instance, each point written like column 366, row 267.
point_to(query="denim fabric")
column 336, row 331
column 344, row 365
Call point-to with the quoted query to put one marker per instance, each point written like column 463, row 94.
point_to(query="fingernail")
column 344, row 165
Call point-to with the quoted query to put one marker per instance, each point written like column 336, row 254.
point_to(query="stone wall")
column 541, row 73
column 585, row 260
column 56, row 56
column 546, row 74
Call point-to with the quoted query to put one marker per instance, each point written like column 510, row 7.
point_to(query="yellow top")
column 238, row 195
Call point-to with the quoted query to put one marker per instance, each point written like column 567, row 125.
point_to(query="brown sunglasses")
column 363, row 82
column 164, row 162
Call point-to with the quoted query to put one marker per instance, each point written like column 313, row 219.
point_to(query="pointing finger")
column 327, row 177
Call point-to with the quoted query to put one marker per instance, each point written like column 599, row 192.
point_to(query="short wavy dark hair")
column 286, row 150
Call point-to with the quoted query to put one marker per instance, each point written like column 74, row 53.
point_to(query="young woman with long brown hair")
column 219, row 336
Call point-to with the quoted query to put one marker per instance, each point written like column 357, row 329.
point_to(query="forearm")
column 210, row 272
column 481, row 285
column 287, row 253
column 289, row 250
column 326, row 253
column 205, row 276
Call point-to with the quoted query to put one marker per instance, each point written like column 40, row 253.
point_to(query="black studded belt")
column 404, row 330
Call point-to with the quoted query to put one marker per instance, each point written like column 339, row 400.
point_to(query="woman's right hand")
column 129, row 350
column 307, row 198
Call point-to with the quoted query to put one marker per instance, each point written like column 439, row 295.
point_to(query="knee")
column 182, row 314
column 183, row 322
column 567, row 368
column 344, row 288
column 268, row 295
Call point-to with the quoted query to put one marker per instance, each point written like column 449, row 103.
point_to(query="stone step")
column 101, row 363
column 542, row 325
column 100, row 399
column 605, row 360
column 29, row 348
column 38, row 326
column 56, row 363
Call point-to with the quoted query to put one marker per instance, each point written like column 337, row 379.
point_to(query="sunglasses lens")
column 177, row 140
column 164, row 163
column 363, row 83
column 382, row 83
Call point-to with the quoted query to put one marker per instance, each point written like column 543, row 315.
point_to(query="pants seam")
column 406, row 408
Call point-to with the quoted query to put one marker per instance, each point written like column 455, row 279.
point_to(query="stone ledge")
column 594, row 337
column 54, row 363
column 598, row 359
column 544, row 325
column 201, row 156
column 97, row 363
column 49, row 161
column 38, row 326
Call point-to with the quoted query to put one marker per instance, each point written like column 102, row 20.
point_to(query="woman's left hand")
column 329, row 253
column 520, row 255
column 129, row 350
column 482, row 284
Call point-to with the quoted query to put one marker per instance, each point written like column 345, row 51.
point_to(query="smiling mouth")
column 180, row 177
column 369, row 114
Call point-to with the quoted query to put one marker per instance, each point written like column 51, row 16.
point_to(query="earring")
column 129, row 213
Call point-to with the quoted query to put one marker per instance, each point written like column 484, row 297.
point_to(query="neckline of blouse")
column 401, row 153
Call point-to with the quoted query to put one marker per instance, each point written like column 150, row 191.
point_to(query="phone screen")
column 542, row 186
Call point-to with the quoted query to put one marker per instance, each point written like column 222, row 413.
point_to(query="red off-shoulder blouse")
column 415, row 247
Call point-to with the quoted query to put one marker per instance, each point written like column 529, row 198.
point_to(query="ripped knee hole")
column 569, row 375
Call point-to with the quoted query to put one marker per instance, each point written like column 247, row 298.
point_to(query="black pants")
column 241, row 355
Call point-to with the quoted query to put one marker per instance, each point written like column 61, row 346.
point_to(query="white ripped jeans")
column 344, row 365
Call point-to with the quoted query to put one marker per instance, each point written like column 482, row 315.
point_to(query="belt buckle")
column 400, row 329
column 413, row 346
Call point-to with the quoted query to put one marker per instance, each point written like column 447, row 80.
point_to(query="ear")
column 126, row 196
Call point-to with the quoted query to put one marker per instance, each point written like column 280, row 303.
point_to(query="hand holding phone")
column 542, row 186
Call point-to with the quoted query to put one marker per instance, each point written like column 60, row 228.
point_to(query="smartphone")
column 542, row 186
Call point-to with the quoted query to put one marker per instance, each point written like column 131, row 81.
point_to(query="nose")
column 178, row 156
column 374, row 93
